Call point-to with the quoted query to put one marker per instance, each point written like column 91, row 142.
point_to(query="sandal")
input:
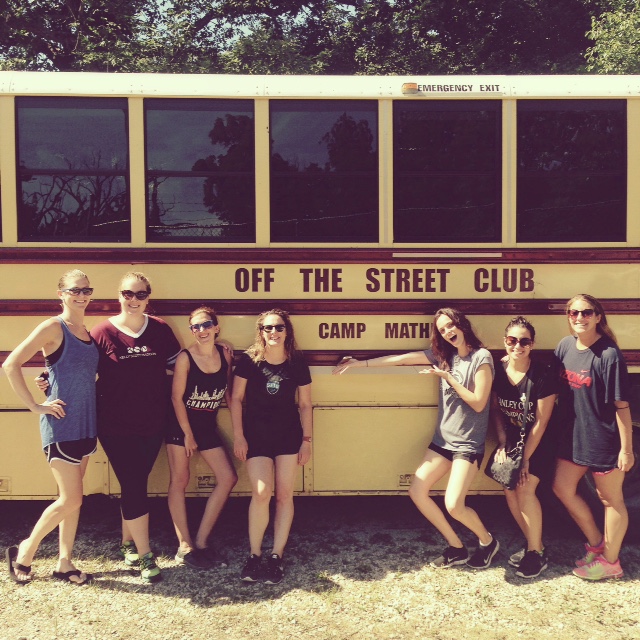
column 11, row 556
column 67, row 575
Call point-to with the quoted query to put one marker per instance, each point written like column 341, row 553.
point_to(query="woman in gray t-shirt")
column 465, row 369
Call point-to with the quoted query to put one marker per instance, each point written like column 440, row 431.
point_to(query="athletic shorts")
column 72, row 451
column 206, row 438
column 271, row 445
column 473, row 458
column 595, row 470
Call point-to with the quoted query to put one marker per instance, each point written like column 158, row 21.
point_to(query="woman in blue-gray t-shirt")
column 597, row 437
column 465, row 369
column 67, row 421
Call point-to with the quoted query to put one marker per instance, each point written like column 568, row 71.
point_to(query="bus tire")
column 631, row 490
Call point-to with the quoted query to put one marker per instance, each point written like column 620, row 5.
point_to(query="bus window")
column 324, row 171
column 72, row 169
column 200, row 170
column 571, row 171
column 447, row 171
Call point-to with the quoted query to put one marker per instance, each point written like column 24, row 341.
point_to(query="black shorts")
column 72, row 451
column 206, row 438
column 473, row 458
column 272, row 444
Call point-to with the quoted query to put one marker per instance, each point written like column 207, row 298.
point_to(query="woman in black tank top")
column 200, row 382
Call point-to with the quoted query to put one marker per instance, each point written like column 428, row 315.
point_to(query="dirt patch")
column 356, row 568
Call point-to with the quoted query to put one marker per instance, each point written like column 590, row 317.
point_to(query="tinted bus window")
column 447, row 171
column 72, row 169
column 324, row 171
column 200, row 170
column 572, row 170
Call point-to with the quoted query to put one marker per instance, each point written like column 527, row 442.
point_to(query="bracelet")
column 306, row 438
column 621, row 408
column 627, row 453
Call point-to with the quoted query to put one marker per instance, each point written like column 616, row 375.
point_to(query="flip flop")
column 67, row 575
column 11, row 556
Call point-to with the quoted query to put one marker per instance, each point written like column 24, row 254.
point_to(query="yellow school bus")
column 359, row 204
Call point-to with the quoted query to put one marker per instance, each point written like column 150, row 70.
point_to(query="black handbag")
column 507, row 473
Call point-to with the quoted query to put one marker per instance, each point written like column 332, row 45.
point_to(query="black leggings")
column 132, row 458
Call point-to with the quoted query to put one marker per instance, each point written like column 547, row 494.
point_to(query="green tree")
column 616, row 34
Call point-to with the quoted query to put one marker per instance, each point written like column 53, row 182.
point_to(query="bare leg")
column 179, row 479
column 616, row 518
column 462, row 474
column 514, row 508
column 565, row 486
column 226, row 479
column 287, row 469
column 260, row 471
column 433, row 467
column 69, row 480
column 531, row 513
column 138, row 530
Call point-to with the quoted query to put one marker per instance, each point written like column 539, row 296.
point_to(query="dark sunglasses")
column 586, row 313
column 270, row 327
column 138, row 295
column 76, row 291
column 510, row 341
column 203, row 326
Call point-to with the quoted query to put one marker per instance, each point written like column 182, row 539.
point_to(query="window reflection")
column 72, row 169
column 324, row 178
column 200, row 170
column 571, row 170
column 447, row 171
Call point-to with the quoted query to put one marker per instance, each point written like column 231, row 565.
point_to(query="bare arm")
column 178, row 387
column 476, row 399
column 623, row 419
column 240, row 446
column 306, row 418
column 544, row 410
column 47, row 336
column 498, row 421
column 412, row 358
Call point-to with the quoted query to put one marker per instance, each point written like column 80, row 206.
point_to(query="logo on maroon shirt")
column 577, row 380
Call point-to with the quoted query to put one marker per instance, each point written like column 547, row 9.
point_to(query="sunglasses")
column 586, row 313
column 270, row 327
column 203, row 326
column 76, row 291
column 138, row 295
column 510, row 341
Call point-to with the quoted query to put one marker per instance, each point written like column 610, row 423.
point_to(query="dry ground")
column 357, row 568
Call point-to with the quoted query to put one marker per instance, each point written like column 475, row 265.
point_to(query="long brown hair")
column 602, row 327
column 257, row 349
column 443, row 350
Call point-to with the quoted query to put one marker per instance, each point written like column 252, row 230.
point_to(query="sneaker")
column 252, row 570
column 451, row 556
column 274, row 572
column 149, row 570
column 214, row 558
column 193, row 558
column 591, row 553
column 130, row 553
column 599, row 569
column 532, row 565
column 482, row 556
column 516, row 558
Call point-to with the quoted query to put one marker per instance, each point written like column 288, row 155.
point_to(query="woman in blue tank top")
column 200, row 382
column 67, row 421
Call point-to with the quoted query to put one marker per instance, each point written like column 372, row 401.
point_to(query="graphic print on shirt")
column 274, row 378
column 514, row 410
column 447, row 389
column 137, row 352
column 576, row 379
column 205, row 401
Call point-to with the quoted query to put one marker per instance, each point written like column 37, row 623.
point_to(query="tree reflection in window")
column 72, row 171
column 324, row 179
column 200, row 170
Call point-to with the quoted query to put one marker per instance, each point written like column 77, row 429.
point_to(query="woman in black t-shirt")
column 200, row 382
column 594, row 404
column 514, row 377
column 273, row 435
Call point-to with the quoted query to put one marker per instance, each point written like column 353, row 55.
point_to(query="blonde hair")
column 602, row 327
column 136, row 275
column 74, row 274
column 257, row 349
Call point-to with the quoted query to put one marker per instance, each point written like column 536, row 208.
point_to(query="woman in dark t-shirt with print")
column 273, row 434
column 597, row 436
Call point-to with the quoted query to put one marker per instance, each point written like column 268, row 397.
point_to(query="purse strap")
column 525, row 416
